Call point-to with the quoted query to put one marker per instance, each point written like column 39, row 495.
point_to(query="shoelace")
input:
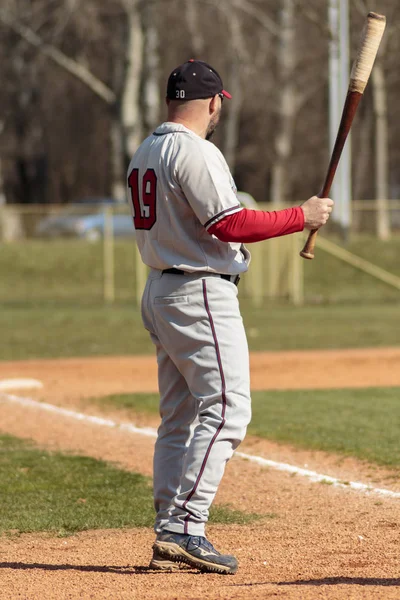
column 203, row 542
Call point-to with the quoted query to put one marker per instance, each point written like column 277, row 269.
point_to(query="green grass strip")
column 55, row 331
column 313, row 327
column 63, row 270
column 52, row 331
column 62, row 494
column 52, row 305
column 363, row 423
column 137, row 403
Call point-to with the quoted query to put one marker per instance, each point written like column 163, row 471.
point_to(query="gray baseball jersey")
column 180, row 185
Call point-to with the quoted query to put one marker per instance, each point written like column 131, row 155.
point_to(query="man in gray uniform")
column 190, row 232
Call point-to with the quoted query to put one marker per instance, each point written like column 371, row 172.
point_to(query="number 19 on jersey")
column 144, row 207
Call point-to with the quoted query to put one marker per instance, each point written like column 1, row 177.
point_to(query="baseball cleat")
column 195, row 551
column 160, row 563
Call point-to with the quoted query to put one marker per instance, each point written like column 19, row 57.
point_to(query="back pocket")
column 171, row 300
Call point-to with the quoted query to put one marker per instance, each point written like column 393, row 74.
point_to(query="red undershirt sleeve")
column 248, row 225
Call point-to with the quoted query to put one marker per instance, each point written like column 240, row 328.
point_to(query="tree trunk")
column 362, row 161
column 286, row 102
column 11, row 226
column 236, row 59
column 232, row 123
column 118, row 158
column 3, row 198
column 192, row 20
column 381, row 151
column 126, row 115
column 131, row 117
column 151, row 67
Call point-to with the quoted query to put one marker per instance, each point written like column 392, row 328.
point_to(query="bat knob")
column 308, row 255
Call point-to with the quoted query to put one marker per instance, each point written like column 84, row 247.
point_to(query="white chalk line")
column 150, row 432
column 20, row 384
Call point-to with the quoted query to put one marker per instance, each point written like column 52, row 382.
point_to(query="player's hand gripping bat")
column 362, row 66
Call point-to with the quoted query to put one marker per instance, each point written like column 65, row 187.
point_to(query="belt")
column 232, row 278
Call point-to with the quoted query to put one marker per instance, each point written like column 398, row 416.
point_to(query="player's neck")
column 197, row 126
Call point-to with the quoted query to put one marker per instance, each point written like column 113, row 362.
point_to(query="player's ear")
column 213, row 104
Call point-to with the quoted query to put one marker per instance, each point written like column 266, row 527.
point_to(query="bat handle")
column 308, row 250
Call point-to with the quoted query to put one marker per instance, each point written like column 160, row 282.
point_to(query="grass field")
column 329, row 280
column 51, row 303
column 51, row 306
column 363, row 423
column 36, row 272
column 60, row 493
column 62, row 331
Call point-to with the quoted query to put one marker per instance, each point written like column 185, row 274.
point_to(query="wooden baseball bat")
column 371, row 37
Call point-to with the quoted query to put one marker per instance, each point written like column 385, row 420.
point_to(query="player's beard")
column 213, row 125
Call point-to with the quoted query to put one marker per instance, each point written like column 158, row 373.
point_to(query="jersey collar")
column 169, row 127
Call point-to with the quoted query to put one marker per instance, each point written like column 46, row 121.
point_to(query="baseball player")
column 191, row 231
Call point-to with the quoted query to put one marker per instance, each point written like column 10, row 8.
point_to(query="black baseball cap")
column 195, row 80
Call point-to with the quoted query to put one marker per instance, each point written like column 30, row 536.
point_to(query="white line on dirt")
column 150, row 432
column 19, row 384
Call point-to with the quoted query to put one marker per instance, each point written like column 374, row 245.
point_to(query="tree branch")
column 247, row 7
column 73, row 67
column 314, row 18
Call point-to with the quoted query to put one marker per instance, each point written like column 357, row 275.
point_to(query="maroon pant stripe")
column 223, row 394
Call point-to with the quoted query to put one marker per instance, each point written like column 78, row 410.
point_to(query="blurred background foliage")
column 84, row 82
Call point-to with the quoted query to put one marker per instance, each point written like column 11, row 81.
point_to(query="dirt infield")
column 323, row 542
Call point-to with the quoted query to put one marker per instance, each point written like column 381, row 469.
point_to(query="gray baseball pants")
column 203, row 374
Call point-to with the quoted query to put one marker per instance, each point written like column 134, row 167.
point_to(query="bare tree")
column 32, row 28
column 192, row 8
column 286, row 101
column 381, row 151
column 126, row 125
column 151, row 67
column 81, row 88
column 380, row 107
column 238, row 58
column 75, row 68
